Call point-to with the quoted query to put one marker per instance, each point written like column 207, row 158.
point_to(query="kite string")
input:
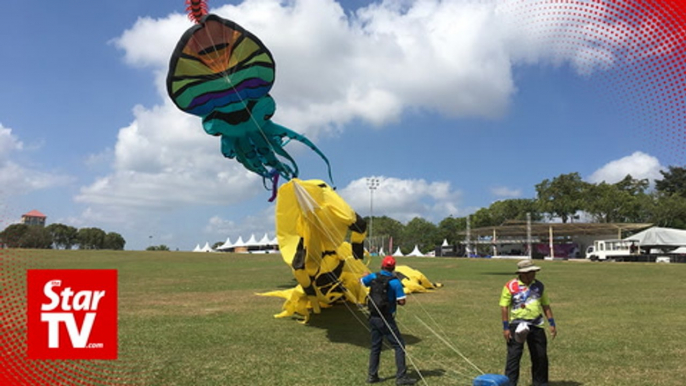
column 323, row 223
column 443, row 340
column 332, row 240
column 447, row 343
column 443, row 337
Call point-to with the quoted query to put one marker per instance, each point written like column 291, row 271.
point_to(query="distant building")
column 34, row 217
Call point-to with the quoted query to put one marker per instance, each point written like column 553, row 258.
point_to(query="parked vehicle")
column 611, row 249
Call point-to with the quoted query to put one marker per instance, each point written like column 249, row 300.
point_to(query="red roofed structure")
column 34, row 217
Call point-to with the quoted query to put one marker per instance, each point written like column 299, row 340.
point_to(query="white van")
column 610, row 249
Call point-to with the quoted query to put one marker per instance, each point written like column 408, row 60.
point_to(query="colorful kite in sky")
column 223, row 73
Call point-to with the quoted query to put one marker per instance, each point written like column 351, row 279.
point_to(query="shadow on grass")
column 565, row 383
column 293, row 283
column 349, row 325
column 413, row 374
column 431, row 373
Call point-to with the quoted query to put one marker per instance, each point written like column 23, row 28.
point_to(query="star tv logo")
column 72, row 314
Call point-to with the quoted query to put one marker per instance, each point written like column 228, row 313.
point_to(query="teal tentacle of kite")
column 223, row 73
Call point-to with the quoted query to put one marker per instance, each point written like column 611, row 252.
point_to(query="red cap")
column 388, row 262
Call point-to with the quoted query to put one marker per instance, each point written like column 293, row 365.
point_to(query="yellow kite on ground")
column 413, row 280
column 321, row 238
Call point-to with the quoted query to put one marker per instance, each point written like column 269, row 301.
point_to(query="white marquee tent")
column 252, row 241
column 660, row 237
column 265, row 240
column 239, row 242
column 227, row 244
column 264, row 245
column 206, row 248
column 415, row 252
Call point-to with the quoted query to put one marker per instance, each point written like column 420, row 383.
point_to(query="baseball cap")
column 388, row 262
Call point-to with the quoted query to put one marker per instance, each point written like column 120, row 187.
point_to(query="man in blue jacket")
column 382, row 322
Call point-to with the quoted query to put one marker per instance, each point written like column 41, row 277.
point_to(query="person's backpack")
column 377, row 301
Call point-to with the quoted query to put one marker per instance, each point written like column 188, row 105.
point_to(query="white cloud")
column 404, row 200
column 505, row 192
column 452, row 57
column 149, row 42
column 105, row 157
column 332, row 68
column 218, row 228
column 638, row 164
column 163, row 160
column 9, row 143
column 16, row 178
column 221, row 226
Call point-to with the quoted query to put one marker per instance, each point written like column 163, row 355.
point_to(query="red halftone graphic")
column 17, row 369
column 636, row 49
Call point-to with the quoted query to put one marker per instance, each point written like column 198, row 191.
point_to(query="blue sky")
column 452, row 105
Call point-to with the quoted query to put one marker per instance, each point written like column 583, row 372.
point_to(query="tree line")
column 566, row 198
column 59, row 236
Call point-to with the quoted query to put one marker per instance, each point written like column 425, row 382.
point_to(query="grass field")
column 194, row 319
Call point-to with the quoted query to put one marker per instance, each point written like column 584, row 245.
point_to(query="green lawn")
column 194, row 319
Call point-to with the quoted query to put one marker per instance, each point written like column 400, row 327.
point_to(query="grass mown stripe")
column 194, row 319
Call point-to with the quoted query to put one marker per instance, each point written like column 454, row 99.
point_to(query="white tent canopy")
column 239, row 242
column 264, row 245
column 398, row 252
column 227, row 244
column 265, row 241
column 252, row 241
column 660, row 237
column 207, row 248
column 197, row 248
column 415, row 252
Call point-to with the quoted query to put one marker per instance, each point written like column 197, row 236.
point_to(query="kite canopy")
column 312, row 223
column 218, row 64
column 413, row 280
column 321, row 238
column 222, row 73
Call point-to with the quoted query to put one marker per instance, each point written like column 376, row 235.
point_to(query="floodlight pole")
column 372, row 184
column 528, row 233
column 468, row 236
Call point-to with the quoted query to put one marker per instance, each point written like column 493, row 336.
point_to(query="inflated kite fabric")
column 321, row 238
column 222, row 73
column 413, row 280
column 312, row 225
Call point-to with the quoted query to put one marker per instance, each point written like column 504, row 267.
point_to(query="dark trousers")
column 381, row 329
column 537, row 342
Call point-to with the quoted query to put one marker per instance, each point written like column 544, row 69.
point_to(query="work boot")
column 405, row 381
column 373, row 379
